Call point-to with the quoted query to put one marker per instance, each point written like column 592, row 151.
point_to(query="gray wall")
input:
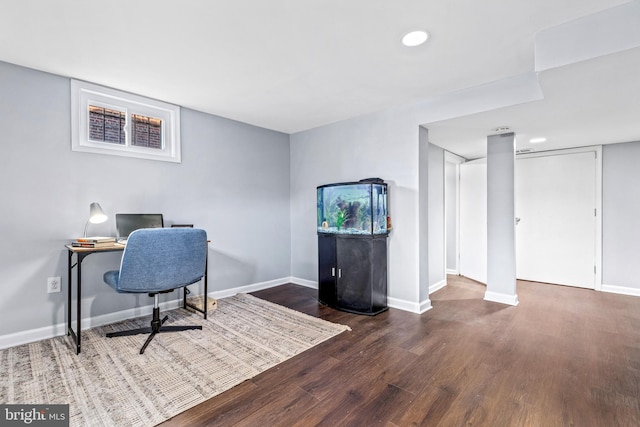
column 233, row 182
column 451, row 216
column 381, row 145
column 437, row 272
column 386, row 145
column 620, row 215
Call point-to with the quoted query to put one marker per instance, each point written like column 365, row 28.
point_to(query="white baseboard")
column 391, row 302
column 409, row 306
column 25, row 337
column 501, row 298
column 32, row 335
column 453, row 272
column 304, row 282
column 249, row 288
column 437, row 286
column 623, row 290
column 401, row 304
column 425, row 306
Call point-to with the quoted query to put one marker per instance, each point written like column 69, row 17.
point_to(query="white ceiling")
column 588, row 103
column 291, row 65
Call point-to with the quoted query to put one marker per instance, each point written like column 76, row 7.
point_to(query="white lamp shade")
column 96, row 214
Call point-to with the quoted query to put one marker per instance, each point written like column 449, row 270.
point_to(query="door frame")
column 597, row 149
column 456, row 160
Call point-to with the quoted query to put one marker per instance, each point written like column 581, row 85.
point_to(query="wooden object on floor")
column 564, row 356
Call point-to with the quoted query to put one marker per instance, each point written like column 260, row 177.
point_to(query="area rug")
column 111, row 384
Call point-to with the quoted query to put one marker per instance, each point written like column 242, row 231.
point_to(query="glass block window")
column 106, row 125
column 146, row 131
column 108, row 121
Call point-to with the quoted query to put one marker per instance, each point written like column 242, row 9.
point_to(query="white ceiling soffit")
column 594, row 100
column 598, row 34
column 589, row 103
column 286, row 65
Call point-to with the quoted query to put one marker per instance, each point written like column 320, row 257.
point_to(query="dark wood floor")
column 563, row 357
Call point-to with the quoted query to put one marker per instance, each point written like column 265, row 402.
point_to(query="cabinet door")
column 379, row 274
column 354, row 274
column 327, row 270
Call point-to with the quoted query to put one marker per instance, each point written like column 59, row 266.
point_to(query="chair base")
column 155, row 328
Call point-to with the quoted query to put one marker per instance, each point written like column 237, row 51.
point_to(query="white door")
column 556, row 222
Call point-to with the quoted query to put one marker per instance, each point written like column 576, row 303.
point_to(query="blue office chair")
column 155, row 261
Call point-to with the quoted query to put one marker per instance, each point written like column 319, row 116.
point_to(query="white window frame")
column 84, row 94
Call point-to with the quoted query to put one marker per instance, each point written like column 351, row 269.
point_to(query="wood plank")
column 563, row 356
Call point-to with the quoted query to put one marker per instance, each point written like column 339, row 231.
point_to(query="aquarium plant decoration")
column 341, row 217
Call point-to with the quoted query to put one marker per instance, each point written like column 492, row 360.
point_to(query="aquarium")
column 353, row 208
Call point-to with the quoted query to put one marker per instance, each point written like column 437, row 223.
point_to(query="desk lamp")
column 96, row 216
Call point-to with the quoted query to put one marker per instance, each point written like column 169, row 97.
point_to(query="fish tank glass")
column 353, row 208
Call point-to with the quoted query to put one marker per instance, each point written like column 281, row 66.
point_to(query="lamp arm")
column 85, row 228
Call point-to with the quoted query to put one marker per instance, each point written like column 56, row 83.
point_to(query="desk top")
column 108, row 248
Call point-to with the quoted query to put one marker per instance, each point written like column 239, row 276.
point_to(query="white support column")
column 501, row 229
column 423, row 219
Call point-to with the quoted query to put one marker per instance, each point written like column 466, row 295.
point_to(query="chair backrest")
column 159, row 259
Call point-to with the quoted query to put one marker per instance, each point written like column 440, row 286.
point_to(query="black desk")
column 81, row 254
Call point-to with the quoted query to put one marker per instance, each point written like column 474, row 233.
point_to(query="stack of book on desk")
column 94, row 242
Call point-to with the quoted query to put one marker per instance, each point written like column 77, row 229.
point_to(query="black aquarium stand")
column 352, row 272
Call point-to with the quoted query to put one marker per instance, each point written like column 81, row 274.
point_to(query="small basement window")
column 108, row 121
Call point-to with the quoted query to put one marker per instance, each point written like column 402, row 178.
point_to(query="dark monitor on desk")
column 127, row 223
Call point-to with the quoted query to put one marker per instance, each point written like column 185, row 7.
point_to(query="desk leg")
column 69, row 261
column 202, row 310
column 206, row 290
column 75, row 335
column 79, row 301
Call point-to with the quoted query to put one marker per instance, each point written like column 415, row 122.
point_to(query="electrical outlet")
column 53, row 284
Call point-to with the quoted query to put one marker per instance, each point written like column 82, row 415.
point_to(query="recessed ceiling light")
column 415, row 38
column 537, row 140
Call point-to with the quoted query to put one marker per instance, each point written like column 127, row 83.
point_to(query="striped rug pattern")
column 111, row 384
